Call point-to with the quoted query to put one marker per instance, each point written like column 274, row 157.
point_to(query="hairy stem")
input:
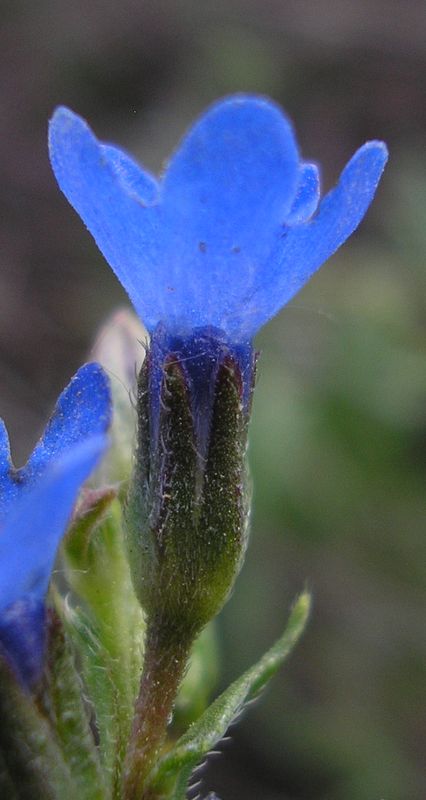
column 166, row 657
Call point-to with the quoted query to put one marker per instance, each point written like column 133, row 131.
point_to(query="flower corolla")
column 233, row 228
column 35, row 505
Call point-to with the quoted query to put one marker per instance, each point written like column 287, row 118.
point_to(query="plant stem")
column 165, row 660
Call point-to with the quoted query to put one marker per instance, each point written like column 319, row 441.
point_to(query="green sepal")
column 106, row 624
column 62, row 698
column 169, row 779
column 187, row 513
column 225, row 498
column 30, row 756
column 160, row 512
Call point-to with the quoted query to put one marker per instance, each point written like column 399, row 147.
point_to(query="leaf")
column 68, row 712
column 106, row 625
column 175, row 767
column 31, row 761
column 98, row 669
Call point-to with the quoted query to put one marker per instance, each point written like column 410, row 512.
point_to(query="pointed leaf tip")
column 200, row 738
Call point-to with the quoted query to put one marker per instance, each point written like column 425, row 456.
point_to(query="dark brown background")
column 339, row 427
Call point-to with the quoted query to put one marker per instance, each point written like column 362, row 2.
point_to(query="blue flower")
column 230, row 232
column 35, row 504
column 207, row 254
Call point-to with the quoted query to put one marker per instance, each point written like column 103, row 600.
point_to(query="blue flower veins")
column 231, row 231
column 35, row 505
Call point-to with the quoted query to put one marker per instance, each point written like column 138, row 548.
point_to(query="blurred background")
column 339, row 431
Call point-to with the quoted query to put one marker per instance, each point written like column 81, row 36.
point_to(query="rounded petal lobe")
column 302, row 249
column 83, row 410
column 226, row 190
column 113, row 200
column 32, row 531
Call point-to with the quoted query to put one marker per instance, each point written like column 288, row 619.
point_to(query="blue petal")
column 224, row 240
column 228, row 187
column 302, row 249
column 226, row 190
column 141, row 185
column 5, row 461
column 116, row 204
column 83, row 410
column 28, row 545
column 307, row 197
column 22, row 638
column 33, row 529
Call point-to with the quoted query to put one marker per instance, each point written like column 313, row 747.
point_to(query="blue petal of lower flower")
column 30, row 536
column 22, row 637
column 83, row 409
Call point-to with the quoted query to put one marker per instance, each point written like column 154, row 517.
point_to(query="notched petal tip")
column 92, row 371
column 71, row 134
column 83, row 410
column 114, row 198
column 304, row 248
column 89, row 394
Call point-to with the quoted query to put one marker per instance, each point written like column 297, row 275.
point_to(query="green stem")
column 165, row 660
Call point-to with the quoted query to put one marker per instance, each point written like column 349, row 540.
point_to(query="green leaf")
column 30, row 760
column 97, row 672
column 106, row 624
column 63, row 698
column 171, row 775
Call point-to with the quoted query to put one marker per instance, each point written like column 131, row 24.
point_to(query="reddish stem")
column 165, row 662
